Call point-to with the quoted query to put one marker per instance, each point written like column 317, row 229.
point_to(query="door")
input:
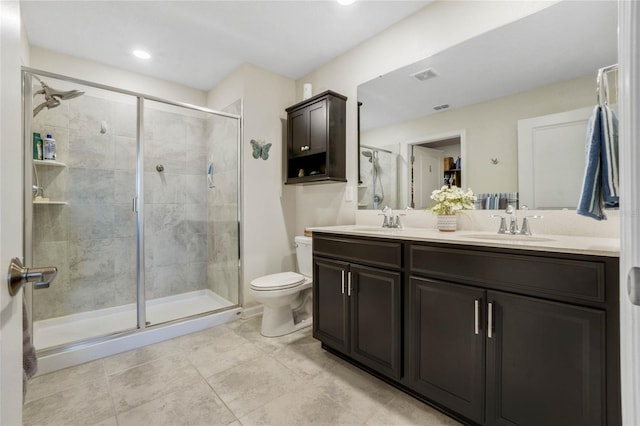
column 426, row 176
column 330, row 303
column 629, row 91
column 11, row 244
column 318, row 125
column 376, row 319
column 446, row 345
column 551, row 159
column 298, row 132
column 545, row 363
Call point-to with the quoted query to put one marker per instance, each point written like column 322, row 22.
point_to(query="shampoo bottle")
column 49, row 147
column 37, row 146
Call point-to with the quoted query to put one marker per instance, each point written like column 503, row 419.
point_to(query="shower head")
column 369, row 155
column 52, row 97
column 49, row 92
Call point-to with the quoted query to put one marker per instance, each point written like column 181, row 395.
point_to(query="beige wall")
column 72, row 66
column 269, row 208
column 491, row 130
column 432, row 29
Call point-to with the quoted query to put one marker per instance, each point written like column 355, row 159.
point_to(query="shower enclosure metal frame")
column 138, row 201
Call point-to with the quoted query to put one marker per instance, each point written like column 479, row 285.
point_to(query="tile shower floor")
column 226, row 375
column 78, row 327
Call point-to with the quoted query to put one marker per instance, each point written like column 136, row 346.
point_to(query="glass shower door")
column 190, row 212
column 83, row 221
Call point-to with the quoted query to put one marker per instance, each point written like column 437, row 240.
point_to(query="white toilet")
column 286, row 296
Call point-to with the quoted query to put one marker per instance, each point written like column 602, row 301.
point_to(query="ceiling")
column 567, row 40
column 198, row 43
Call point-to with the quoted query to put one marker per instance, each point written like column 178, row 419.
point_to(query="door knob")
column 18, row 276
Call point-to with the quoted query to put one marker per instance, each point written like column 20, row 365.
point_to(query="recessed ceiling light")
column 142, row 54
column 346, row 2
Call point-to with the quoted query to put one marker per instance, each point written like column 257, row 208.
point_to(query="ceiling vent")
column 424, row 74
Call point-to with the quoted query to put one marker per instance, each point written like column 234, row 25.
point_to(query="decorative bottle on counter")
column 49, row 147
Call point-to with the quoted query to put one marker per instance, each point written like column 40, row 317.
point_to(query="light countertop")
column 595, row 246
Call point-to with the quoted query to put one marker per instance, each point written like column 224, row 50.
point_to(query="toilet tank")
column 304, row 255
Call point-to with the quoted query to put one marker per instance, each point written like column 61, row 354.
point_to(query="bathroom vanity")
column 493, row 330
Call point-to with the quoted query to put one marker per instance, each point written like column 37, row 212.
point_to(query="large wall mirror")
column 471, row 115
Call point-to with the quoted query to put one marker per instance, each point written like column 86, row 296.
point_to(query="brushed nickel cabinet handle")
column 343, row 281
column 490, row 321
column 349, row 284
column 476, row 313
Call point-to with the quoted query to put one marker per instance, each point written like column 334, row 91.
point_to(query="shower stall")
column 139, row 212
column 379, row 176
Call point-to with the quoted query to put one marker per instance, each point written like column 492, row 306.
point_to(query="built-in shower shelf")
column 59, row 203
column 49, row 163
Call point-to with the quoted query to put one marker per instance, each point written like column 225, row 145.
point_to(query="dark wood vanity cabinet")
column 357, row 307
column 446, row 345
column 491, row 336
column 528, row 339
column 316, row 139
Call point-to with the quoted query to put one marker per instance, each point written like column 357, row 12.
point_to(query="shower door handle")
column 18, row 276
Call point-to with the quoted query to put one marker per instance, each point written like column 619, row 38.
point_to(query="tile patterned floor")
column 227, row 375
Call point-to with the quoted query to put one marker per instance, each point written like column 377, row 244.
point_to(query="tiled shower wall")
column 92, row 239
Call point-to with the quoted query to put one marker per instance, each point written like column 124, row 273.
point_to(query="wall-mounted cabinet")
column 316, row 135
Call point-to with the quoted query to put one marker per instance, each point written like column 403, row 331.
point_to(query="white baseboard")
column 252, row 311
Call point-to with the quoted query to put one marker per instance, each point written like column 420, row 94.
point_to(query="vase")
column 447, row 223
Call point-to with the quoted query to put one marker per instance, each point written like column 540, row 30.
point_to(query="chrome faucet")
column 513, row 221
column 390, row 220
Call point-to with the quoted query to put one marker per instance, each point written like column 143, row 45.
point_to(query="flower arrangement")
column 449, row 200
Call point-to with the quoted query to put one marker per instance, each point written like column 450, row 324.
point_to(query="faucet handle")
column 503, row 223
column 526, row 230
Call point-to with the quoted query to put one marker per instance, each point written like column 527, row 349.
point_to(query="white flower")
column 448, row 201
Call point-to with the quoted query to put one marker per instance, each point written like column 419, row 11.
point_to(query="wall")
column 59, row 63
column 432, row 29
column 491, row 130
column 269, row 207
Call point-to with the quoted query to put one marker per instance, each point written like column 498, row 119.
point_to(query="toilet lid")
column 277, row 281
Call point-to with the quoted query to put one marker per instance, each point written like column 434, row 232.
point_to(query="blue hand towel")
column 600, row 183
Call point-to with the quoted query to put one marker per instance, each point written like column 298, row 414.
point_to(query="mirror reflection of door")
column 426, row 176
column 427, row 171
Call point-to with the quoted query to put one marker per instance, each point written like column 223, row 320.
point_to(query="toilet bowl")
column 286, row 296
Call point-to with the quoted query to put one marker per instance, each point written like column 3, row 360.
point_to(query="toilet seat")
column 279, row 281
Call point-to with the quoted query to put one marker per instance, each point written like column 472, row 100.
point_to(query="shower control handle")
column 18, row 276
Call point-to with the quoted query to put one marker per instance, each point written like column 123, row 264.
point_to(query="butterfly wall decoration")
column 260, row 149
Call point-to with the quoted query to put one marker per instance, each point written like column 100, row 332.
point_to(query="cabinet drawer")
column 367, row 252
column 562, row 279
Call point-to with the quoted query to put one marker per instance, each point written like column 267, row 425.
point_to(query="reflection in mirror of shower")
column 379, row 179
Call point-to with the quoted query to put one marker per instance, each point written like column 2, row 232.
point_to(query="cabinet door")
column 545, row 363
column 330, row 303
column 298, row 132
column 376, row 319
column 446, row 345
column 318, row 127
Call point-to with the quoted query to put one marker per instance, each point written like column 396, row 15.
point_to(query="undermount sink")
column 509, row 237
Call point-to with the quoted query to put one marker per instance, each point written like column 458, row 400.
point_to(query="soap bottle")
column 49, row 147
column 37, row 146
